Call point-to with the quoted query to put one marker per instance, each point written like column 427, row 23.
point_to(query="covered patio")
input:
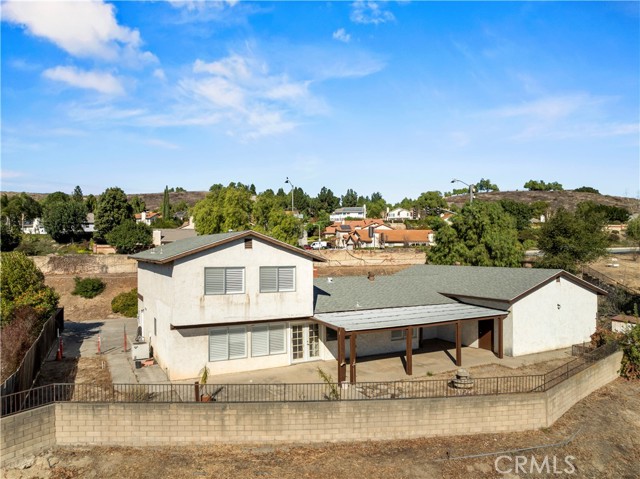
column 350, row 324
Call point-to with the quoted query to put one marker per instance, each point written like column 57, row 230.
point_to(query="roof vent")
column 371, row 276
column 329, row 279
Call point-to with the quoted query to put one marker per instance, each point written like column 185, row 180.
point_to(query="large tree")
column 224, row 209
column 63, row 217
column 20, row 208
column 112, row 209
column 130, row 237
column 486, row 185
column 482, row 234
column 569, row 240
column 350, row 198
column 633, row 231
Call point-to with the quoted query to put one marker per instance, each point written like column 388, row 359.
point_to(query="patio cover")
column 401, row 318
column 352, row 323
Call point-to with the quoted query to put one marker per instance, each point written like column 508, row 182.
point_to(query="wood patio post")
column 458, row 343
column 500, row 338
column 352, row 358
column 409, row 355
column 342, row 368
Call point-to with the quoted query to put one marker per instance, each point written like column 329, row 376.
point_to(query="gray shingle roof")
column 429, row 285
column 503, row 284
column 184, row 247
column 351, row 293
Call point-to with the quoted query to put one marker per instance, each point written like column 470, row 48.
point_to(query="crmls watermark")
column 533, row 465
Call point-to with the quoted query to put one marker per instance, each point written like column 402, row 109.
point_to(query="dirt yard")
column 601, row 433
column 627, row 272
column 77, row 308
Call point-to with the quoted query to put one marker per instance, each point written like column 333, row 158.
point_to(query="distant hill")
column 556, row 199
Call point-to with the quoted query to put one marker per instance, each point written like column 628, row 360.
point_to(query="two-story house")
column 354, row 212
column 233, row 301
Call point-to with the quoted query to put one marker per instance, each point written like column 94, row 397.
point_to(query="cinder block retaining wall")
column 27, row 433
column 198, row 423
column 85, row 264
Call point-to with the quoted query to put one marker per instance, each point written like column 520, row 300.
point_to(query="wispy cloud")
column 83, row 29
column 558, row 117
column 7, row 174
column 341, row 35
column 167, row 145
column 92, row 80
column 367, row 12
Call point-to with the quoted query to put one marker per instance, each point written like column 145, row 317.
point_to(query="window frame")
column 224, row 269
column 277, row 279
column 281, row 328
column 404, row 334
column 228, row 343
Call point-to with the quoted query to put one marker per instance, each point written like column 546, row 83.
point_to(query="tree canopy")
column 569, row 240
column 539, row 185
column 112, row 209
column 22, row 285
column 130, row 237
column 482, row 234
column 63, row 217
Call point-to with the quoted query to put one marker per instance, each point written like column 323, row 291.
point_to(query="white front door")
column 305, row 342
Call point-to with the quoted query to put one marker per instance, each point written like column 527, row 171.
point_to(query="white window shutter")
column 218, row 344
column 234, row 280
column 286, row 278
column 268, row 279
column 277, row 334
column 237, row 342
column 214, row 281
column 260, row 340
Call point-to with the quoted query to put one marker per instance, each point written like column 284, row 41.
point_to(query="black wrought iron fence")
column 302, row 392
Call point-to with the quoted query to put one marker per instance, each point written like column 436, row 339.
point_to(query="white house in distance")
column 399, row 214
column 243, row 301
column 353, row 212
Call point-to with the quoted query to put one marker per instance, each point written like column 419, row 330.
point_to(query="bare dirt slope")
column 602, row 434
column 77, row 308
column 556, row 199
column 627, row 271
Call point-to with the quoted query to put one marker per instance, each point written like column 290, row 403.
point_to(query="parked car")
column 319, row 245
column 306, row 246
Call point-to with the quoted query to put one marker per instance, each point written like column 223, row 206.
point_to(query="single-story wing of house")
column 243, row 301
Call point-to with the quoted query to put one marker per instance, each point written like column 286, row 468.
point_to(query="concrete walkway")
column 437, row 357
column 81, row 338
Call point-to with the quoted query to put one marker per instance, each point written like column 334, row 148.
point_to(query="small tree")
column 63, row 219
column 126, row 303
column 88, row 287
column 130, row 237
column 630, row 342
column 633, row 232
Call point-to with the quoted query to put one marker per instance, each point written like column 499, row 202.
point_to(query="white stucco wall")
column 540, row 325
column 174, row 294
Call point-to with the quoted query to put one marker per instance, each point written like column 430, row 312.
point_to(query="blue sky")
column 396, row 97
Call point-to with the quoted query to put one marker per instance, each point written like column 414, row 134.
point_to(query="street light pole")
column 470, row 188
column 292, row 188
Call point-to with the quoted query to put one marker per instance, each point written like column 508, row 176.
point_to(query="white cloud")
column 85, row 29
column 368, row 12
column 6, row 174
column 159, row 74
column 167, row 145
column 90, row 80
column 242, row 91
column 549, row 108
column 341, row 35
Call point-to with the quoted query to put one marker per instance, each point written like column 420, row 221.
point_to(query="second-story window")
column 223, row 280
column 275, row 279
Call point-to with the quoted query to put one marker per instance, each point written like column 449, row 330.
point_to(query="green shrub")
column 126, row 303
column 88, row 287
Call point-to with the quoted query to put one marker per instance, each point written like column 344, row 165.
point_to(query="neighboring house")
column 34, row 227
column 399, row 214
column 243, row 301
column 340, row 231
column 349, row 212
column 166, row 236
column 147, row 217
column 623, row 322
column 389, row 238
column 89, row 226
